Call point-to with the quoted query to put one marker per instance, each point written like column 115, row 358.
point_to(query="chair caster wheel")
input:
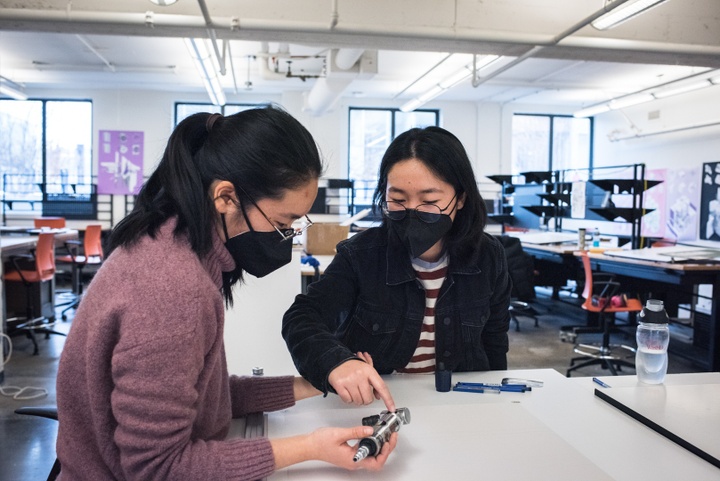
column 568, row 337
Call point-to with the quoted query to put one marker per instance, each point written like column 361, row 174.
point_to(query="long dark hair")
column 445, row 156
column 263, row 152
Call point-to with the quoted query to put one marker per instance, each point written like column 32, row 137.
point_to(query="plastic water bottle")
column 596, row 237
column 653, row 337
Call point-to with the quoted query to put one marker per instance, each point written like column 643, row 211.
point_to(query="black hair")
column 442, row 153
column 263, row 152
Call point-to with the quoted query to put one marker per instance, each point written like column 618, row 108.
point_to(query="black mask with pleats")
column 258, row 253
column 419, row 236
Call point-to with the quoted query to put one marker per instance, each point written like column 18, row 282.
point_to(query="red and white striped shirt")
column 431, row 275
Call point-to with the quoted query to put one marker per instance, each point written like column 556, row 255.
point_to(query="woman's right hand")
column 330, row 445
column 358, row 382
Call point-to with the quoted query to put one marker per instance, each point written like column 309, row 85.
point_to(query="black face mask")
column 419, row 236
column 258, row 253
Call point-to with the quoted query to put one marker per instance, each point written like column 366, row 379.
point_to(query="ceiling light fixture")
column 163, row 3
column 461, row 75
column 12, row 89
column 681, row 89
column 206, row 68
column 624, row 12
column 662, row 91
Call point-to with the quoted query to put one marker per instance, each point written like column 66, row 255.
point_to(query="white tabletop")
column 561, row 431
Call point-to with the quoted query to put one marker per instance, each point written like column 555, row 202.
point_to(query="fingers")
column 376, row 463
column 358, row 383
column 382, row 392
column 365, row 356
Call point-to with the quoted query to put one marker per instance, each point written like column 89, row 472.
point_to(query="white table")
column 561, row 431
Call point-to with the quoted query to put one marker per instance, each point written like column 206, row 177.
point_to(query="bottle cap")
column 654, row 312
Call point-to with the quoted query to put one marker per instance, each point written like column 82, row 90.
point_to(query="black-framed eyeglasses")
column 428, row 213
column 286, row 233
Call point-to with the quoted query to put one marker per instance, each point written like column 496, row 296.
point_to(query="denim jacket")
column 369, row 300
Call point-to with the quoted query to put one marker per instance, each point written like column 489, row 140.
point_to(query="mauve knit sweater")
column 143, row 390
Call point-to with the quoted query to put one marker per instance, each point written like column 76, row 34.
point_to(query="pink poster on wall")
column 120, row 161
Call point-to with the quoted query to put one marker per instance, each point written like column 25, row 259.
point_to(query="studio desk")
column 674, row 282
column 669, row 279
column 561, row 431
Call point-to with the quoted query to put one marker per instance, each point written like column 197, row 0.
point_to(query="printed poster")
column 121, row 162
column 683, row 204
column 653, row 223
column 710, row 202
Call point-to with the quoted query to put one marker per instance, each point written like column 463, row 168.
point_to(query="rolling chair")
column 602, row 304
column 32, row 275
column 49, row 413
column 92, row 254
column 50, row 222
column 522, row 272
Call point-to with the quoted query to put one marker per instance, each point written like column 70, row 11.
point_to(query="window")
column 370, row 134
column 46, row 158
column 550, row 142
column 183, row 110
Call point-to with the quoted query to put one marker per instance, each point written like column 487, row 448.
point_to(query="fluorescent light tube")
column 12, row 89
column 624, row 12
column 634, row 99
column 206, row 68
column 681, row 89
column 591, row 111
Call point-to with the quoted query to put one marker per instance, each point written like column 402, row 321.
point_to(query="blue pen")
column 598, row 381
column 474, row 386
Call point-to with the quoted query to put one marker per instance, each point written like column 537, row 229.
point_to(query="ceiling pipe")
column 265, row 71
column 378, row 36
column 477, row 81
column 213, row 37
column 109, row 64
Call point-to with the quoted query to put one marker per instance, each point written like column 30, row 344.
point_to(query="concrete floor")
column 27, row 444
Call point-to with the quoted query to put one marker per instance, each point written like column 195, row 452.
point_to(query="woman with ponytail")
column 143, row 390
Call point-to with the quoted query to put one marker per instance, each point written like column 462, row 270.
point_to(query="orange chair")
column 92, row 254
column 51, row 222
column 42, row 270
column 602, row 305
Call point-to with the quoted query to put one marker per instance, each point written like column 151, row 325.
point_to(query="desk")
column 555, row 264
column 558, row 432
column 17, row 243
column 677, row 274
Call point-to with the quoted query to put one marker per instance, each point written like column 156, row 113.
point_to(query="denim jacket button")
column 376, row 327
column 446, row 321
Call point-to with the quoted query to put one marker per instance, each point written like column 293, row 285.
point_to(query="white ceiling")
column 69, row 44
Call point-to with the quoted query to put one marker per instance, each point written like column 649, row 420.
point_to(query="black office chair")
column 49, row 412
column 522, row 272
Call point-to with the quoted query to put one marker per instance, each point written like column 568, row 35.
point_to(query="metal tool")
column 384, row 424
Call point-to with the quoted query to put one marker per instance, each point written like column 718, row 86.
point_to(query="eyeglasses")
column 428, row 213
column 286, row 233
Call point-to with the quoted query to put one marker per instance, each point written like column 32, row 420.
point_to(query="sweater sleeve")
column 155, row 402
column 260, row 394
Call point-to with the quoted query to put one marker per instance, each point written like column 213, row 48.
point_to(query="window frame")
column 551, row 134
column 88, row 209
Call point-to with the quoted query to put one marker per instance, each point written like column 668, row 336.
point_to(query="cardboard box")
column 321, row 239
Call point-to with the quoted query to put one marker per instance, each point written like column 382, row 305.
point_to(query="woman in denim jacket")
column 427, row 288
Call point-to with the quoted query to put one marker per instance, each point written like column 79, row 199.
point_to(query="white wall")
column 665, row 150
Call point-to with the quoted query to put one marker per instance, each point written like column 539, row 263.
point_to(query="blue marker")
column 598, row 381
